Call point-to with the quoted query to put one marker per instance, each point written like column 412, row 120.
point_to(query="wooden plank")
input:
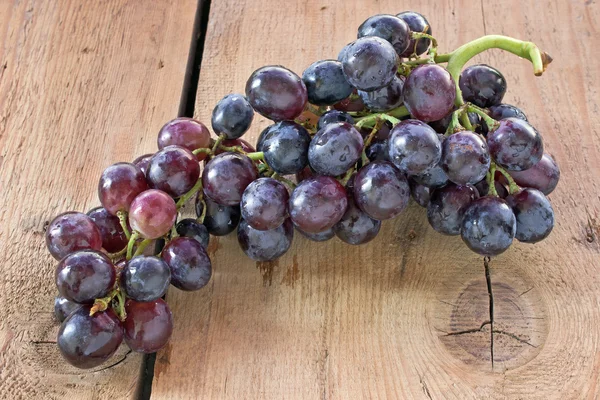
column 82, row 85
column 371, row 322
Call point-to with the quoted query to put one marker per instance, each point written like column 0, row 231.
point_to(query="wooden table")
column 85, row 84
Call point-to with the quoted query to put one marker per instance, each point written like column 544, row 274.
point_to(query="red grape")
column 84, row 276
column 148, row 326
column 189, row 263
column 113, row 236
column 142, row 162
column 145, row 278
column 184, row 132
column 226, row 176
column 70, row 232
column 543, row 176
column 429, row 92
column 174, row 170
column 152, row 213
column 118, row 186
column 264, row 204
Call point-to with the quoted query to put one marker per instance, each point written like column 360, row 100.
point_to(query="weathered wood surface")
column 382, row 321
column 83, row 84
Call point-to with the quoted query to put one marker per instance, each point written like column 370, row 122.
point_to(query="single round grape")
column 325, row 83
column 351, row 104
column 118, row 186
column 276, row 92
column 420, row 193
column 247, row 147
column 191, row 228
column 381, row 190
column 286, row 147
column 482, row 85
column 152, row 213
column 356, row 227
column 84, row 276
column 370, row 63
column 264, row 134
column 148, row 326
column 319, row 236
column 334, row 149
column 184, row 132
column 226, row 176
column 434, row 177
column 189, row 263
column 386, row 98
column 483, row 188
column 447, row 206
column 414, row 147
column 543, row 176
column 232, row 116
column 219, row 220
column 515, row 145
column 265, row 245
column 142, row 162
column 534, row 213
column 63, row 307
column 87, row 341
column 145, row 278
column 389, row 28
column 113, row 236
column 488, row 226
column 317, row 204
column 465, row 158
column 264, row 204
column 502, row 111
column 416, row 23
column 378, row 151
column 429, row 92
column 174, row 170
column 332, row 117
column 72, row 231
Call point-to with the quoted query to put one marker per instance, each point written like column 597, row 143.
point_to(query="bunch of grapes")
column 351, row 141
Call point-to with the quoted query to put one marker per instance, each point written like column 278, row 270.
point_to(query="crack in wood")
column 488, row 280
column 425, row 388
column 116, row 363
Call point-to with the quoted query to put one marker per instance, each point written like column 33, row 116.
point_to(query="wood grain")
column 83, row 84
column 382, row 321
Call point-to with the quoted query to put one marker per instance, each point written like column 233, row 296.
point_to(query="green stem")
column 438, row 59
column 284, row 180
column 117, row 255
column 459, row 57
column 120, row 306
column 259, row 155
column 191, row 193
column 454, row 126
column 491, row 181
column 123, row 221
column 218, row 142
column 134, row 236
column 399, row 112
column 512, row 185
column 491, row 122
column 371, row 120
column 202, row 150
column 142, row 246
column 102, row 304
column 348, row 175
column 233, row 149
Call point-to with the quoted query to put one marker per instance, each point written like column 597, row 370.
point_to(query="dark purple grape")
column 334, row 116
column 465, row 158
column 142, row 162
column 264, row 134
column 184, row 132
column 325, row 83
column 381, row 190
column 87, row 341
column 502, row 111
column 84, row 276
column 482, row 85
column 113, row 236
column 219, row 220
column 429, row 92
column 515, row 145
column 226, row 176
column 264, row 204
column 386, row 98
column 420, row 193
column 414, row 147
column 447, row 206
column 191, row 228
column 276, row 93
column 334, row 149
column 370, row 63
column 534, row 213
column 286, row 147
column 118, row 186
column 416, row 23
column 145, row 278
column 488, row 226
column 483, row 188
column 356, row 227
column 232, row 116
column 317, row 204
column 174, row 170
column 387, row 27
column 148, row 326
column 319, row 236
column 265, row 245
column 543, row 176
column 63, row 308
column 190, row 265
column 378, row 151
column 152, row 213
column 72, row 231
